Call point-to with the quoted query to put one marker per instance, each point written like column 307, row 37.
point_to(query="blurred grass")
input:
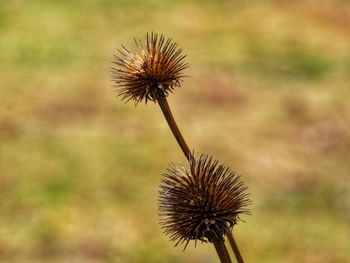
column 268, row 95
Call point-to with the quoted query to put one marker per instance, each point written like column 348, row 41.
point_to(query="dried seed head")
column 202, row 202
column 151, row 72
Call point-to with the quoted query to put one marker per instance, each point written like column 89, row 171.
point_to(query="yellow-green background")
column 268, row 95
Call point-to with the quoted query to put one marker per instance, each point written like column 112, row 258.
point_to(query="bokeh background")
column 268, row 95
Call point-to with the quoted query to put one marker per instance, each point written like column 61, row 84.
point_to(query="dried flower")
column 202, row 202
column 151, row 72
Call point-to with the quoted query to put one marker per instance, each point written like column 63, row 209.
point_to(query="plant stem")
column 163, row 103
column 234, row 247
column 222, row 251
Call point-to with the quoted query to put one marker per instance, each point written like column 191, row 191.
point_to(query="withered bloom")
column 202, row 202
column 152, row 72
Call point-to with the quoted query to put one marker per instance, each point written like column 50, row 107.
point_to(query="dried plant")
column 202, row 202
column 150, row 73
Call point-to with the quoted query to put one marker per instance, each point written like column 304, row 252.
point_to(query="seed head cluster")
column 202, row 202
column 151, row 72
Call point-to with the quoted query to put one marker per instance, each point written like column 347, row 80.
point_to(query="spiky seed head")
column 202, row 202
column 153, row 71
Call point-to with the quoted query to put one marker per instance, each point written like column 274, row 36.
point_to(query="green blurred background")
column 268, row 95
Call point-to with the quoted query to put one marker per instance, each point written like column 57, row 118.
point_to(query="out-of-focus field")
column 268, row 95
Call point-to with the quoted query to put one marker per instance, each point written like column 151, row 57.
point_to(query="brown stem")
column 163, row 103
column 222, row 251
column 234, row 247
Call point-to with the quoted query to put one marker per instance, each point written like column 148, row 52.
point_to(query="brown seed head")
column 202, row 202
column 151, row 72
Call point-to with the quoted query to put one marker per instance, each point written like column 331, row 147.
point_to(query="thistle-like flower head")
column 153, row 71
column 202, row 202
